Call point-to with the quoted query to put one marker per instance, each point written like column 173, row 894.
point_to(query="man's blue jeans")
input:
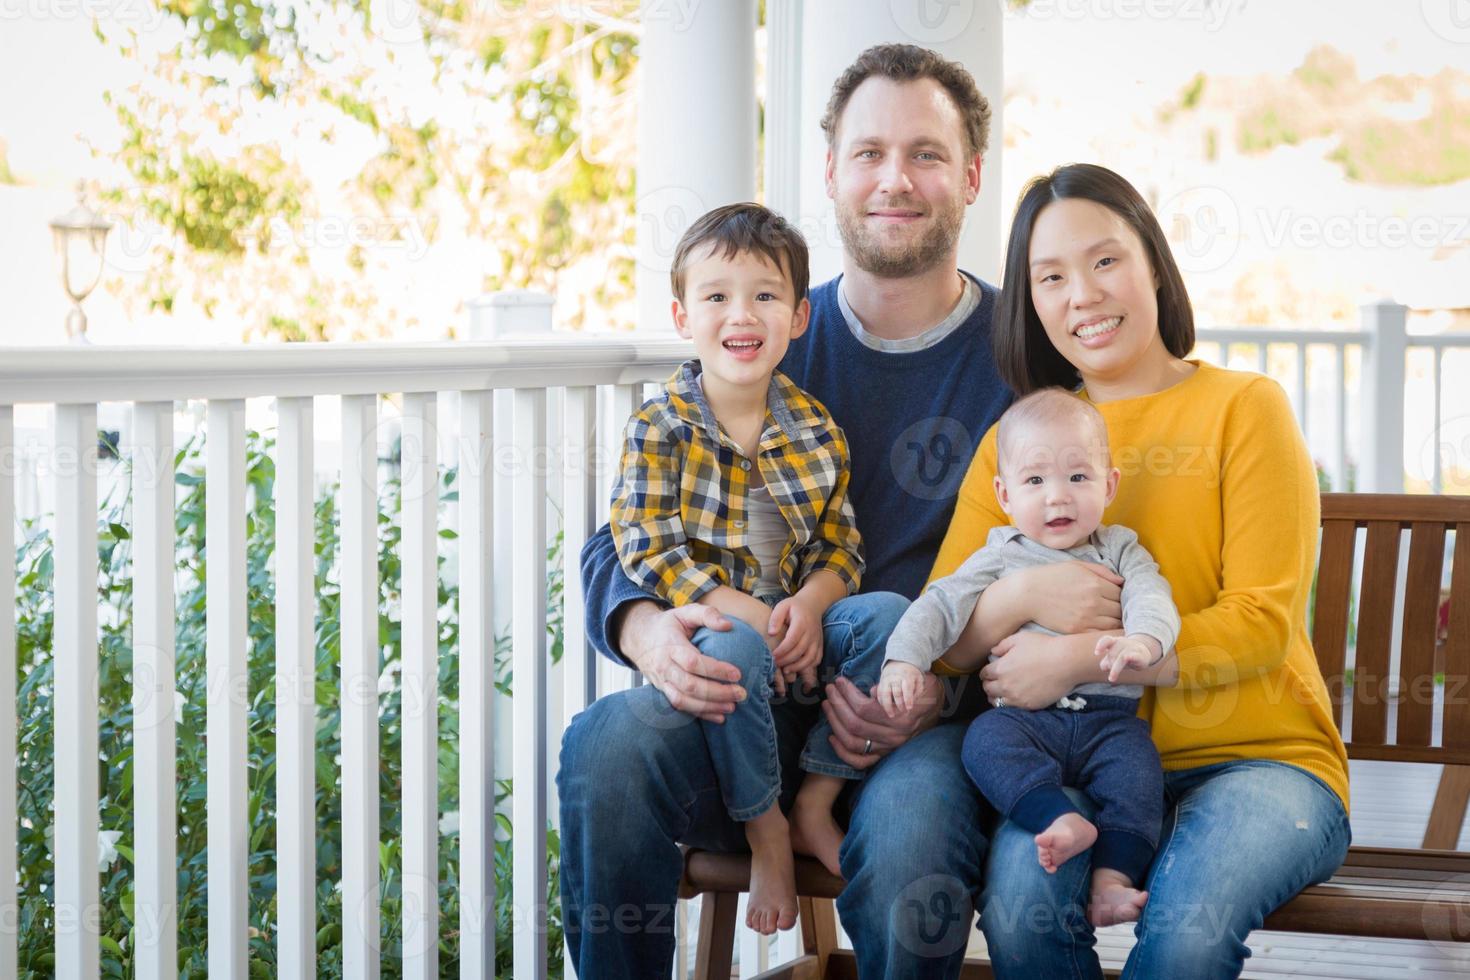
column 637, row 779
column 1240, row 838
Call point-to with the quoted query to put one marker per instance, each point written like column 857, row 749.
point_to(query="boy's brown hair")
column 737, row 228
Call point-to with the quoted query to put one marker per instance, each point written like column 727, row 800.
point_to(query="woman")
column 1219, row 486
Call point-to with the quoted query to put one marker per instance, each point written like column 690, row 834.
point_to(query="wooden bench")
column 1420, row 893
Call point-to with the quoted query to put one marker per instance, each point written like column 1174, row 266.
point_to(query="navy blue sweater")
column 912, row 421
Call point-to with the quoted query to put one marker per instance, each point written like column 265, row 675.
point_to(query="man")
column 899, row 352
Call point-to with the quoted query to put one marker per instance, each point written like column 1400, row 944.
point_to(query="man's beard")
column 898, row 261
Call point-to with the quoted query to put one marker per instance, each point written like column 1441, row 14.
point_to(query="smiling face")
column 899, row 176
column 741, row 312
column 1055, row 481
column 1095, row 291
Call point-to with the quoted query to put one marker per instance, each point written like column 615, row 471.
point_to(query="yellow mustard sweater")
column 1219, row 487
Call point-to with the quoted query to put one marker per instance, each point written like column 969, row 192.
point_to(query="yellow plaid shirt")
column 679, row 505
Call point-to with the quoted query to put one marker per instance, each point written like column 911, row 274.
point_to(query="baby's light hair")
column 1046, row 405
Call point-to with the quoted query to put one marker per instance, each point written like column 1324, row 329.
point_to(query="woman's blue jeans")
column 1239, row 839
column 637, row 779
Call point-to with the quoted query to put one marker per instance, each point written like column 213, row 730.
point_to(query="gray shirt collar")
column 969, row 300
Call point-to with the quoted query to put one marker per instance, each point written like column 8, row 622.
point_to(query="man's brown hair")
column 908, row 63
column 737, row 228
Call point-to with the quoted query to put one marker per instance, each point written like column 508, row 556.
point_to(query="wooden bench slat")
column 1375, row 634
column 1421, row 618
column 1330, row 611
column 1457, row 646
column 1401, row 509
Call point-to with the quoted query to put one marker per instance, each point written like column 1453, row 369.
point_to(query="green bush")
column 34, row 619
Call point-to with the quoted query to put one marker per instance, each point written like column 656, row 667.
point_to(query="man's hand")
column 657, row 642
column 862, row 732
column 898, row 687
column 798, row 626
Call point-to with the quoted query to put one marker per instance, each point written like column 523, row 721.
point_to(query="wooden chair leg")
column 1447, row 815
column 818, row 930
column 716, row 949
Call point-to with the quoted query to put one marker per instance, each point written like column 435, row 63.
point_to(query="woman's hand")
column 1074, row 596
column 1033, row 670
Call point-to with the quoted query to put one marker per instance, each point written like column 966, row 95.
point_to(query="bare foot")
column 1068, row 836
column 772, row 903
column 815, row 832
column 1114, row 899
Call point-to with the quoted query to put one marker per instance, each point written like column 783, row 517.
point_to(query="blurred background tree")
column 431, row 146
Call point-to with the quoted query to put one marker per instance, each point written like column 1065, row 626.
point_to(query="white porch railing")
column 73, row 382
column 593, row 384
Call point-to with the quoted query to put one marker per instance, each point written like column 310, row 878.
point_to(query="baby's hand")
column 1120, row 652
column 898, row 687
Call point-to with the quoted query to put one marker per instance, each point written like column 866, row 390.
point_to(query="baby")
column 1055, row 479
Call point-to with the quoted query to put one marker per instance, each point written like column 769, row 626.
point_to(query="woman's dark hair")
column 1024, row 355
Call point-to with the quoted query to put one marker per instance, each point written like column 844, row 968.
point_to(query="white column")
column 1382, row 466
column 967, row 31
column 781, row 182
column 696, row 130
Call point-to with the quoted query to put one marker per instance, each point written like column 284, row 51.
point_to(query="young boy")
column 733, row 493
column 1055, row 479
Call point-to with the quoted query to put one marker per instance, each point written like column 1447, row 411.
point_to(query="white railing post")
column 225, row 670
column 528, row 685
column 420, row 714
column 9, row 906
column 360, row 668
column 154, row 754
column 295, row 691
column 74, row 652
column 1382, row 468
column 476, row 688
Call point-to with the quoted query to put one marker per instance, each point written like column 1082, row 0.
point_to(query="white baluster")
column 528, row 636
column 296, row 690
column 476, row 689
column 1339, row 378
column 420, row 687
column 622, row 400
column 358, row 533
column 154, row 759
column 584, row 484
column 75, row 651
column 9, row 906
column 225, row 659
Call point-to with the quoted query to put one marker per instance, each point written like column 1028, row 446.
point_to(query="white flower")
column 449, row 823
column 106, row 852
column 179, row 702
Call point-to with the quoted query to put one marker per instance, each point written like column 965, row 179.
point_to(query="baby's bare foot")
column 772, row 903
column 1068, row 836
column 815, row 832
column 1114, row 899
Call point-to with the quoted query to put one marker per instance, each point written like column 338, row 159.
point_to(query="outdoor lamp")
column 80, row 236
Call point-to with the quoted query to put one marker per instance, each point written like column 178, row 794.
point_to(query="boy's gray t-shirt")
column 937, row 618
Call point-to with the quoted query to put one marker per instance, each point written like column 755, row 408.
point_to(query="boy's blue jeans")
column 636, row 780
column 1240, row 838
column 743, row 747
column 1021, row 760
